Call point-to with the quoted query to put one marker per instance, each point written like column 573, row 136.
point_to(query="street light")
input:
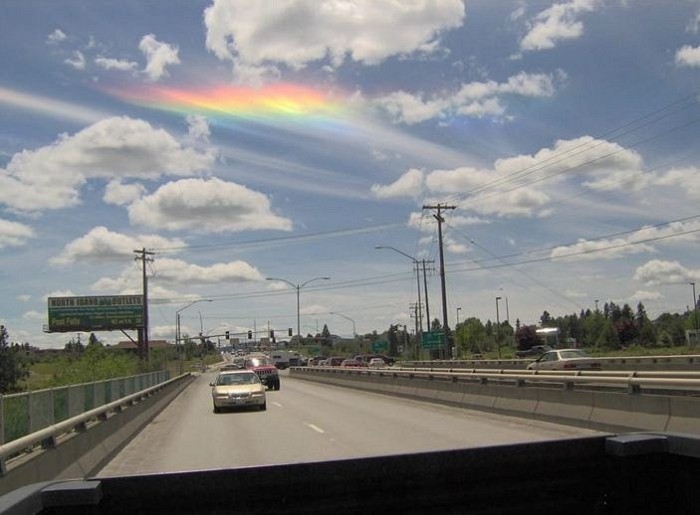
column 458, row 310
column 695, row 309
column 298, row 288
column 178, row 336
column 498, row 329
column 415, row 262
column 354, row 332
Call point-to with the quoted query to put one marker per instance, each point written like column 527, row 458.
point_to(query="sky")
column 245, row 140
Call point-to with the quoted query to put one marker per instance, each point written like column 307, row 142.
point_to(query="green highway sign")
column 432, row 340
column 380, row 346
column 96, row 313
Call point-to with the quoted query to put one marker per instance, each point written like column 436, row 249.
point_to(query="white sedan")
column 565, row 359
column 376, row 363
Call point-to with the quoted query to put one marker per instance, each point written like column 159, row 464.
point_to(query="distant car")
column 533, row 352
column 238, row 389
column 565, row 359
column 335, row 361
column 376, row 363
column 323, row 363
column 351, row 363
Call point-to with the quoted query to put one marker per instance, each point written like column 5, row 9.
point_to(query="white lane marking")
column 315, row 428
column 277, row 404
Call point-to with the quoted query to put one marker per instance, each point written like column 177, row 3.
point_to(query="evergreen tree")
column 12, row 370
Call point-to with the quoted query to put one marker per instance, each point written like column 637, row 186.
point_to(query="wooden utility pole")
column 439, row 208
column 142, row 255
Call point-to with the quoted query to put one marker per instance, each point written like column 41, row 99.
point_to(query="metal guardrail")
column 48, row 435
column 25, row 413
column 633, row 382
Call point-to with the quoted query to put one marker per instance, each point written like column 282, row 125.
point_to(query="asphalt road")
column 305, row 421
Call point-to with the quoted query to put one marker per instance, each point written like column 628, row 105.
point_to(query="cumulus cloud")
column 34, row 315
column 118, row 147
column 122, row 194
column 159, row 55
column 258, row 36
column 56, row 37
column 475, row 99
column 633, row 243
column 687, row 180
column 24, row 298
column 14, row 234
column 656, row 272
column 688, row 56
column 409, row 184
column 509, row 187
column 206, row 206
column 101, row 244
column 557, row 23
column 108, row 63
column 175, row 272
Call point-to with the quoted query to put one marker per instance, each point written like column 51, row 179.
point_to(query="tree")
column 12, row 370
column 325, row 336
column 392, row 337
column 471, row 332
column 526, row 337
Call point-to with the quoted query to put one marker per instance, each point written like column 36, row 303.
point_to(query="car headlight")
column 258, row 394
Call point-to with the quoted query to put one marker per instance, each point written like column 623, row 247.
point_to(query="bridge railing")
column 25, row 413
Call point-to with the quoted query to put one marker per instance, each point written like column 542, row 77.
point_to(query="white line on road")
column 277, row 404
column 315, row 428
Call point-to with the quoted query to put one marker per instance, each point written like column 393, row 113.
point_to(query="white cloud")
column 206, row 206
column 642, row 295
column 101, row 244
column 656, row 272
column 409, row 184
column 314, row 309
column 575, row 294
column 158, row 55
column 24, row 298
column 557, row 23
column 35, row 315
column 694, row 24
column 115, row 64
column 49, row 106
column 198, row 127
column 56, row 37
column 475, row 99
column 687, row 180
column 14, row 234
column 509, row 188
column 122, row 194
column 118, row 147
column 688, row 56
column 633, row 243
column 175, row 272
column 77, row 61
column 256, row 36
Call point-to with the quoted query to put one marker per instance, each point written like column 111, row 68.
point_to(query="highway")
column 307, row 422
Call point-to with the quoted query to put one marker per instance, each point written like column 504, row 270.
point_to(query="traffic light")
column 250, row 335
column 290, row 331
column 227, row 335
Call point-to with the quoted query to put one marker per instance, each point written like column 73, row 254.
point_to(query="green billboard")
column 380, row 346
column 96, row 313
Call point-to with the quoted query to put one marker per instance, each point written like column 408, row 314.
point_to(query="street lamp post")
column 695, row 309
column 458, row 310
column 178, row 335
column 498, row 329
column 415, row 262
column 298, row 288
column 354, row 332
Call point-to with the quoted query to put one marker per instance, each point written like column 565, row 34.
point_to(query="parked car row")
column 359, row 361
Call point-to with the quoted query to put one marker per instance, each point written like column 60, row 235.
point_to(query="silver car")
column 238, row 389
column 565, row 359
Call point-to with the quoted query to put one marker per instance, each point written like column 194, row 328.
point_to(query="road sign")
column 380, row 346
column 432, row 340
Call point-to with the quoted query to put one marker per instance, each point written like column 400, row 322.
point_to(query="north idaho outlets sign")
column 96, row 313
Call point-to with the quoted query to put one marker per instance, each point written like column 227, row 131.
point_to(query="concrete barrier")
column 601, row 410
column 84, row 453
